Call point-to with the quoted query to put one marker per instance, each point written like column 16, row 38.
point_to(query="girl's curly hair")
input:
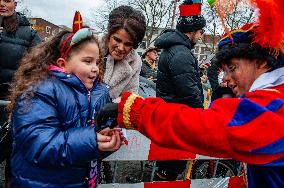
column 34, row 66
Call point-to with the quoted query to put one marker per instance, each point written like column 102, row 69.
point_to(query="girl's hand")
column 108, row 132
column 1, row 29
column 111, row 143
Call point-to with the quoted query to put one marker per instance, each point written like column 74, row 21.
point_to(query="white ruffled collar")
column 269, row 80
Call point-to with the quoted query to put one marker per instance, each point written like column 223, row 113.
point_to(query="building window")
column 196, row 50
column 54, row 32
column 140, row 54
column 48, row 30
column 143, row 44
column 202, row 57
column 204, row 50
column 32, row 21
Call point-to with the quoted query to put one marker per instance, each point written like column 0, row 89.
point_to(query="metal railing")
column 196, row 175
column 4, row 103
column 200, row 170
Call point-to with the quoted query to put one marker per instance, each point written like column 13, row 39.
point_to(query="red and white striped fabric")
column 229, row 182
column 141, row 148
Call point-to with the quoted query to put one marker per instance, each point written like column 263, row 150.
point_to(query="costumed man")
column 249, row 128
column 149, row 67
column 178, row 78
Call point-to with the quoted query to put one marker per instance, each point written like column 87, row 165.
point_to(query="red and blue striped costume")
column 248, row 129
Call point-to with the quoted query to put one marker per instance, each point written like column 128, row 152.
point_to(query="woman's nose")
column 120, row 46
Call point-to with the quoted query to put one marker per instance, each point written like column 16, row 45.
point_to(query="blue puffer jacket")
column 52, row 142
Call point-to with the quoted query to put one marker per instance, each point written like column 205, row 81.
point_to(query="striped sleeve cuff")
column 129, row 110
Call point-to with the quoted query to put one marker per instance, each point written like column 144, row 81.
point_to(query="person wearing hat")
column 178, row 78
column 249, row 128
column 149, row 67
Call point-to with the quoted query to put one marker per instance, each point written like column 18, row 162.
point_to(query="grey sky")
column 59, row 12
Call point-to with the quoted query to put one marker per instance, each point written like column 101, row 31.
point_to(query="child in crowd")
column 54, row 98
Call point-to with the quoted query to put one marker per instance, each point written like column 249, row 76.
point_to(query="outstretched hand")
column 111, row 141
column 108, row 112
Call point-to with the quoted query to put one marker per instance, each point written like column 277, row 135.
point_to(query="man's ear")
column 61, row 62
column 262, row 64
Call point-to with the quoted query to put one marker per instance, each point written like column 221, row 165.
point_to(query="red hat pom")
column 190, row 10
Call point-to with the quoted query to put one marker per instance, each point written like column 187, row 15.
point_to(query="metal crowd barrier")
column 4, row 103
column 228, row 182
column 140, row 148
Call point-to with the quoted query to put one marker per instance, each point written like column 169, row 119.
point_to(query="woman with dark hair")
column 126, row 29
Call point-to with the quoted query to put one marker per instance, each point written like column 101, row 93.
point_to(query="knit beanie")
column 190, row 18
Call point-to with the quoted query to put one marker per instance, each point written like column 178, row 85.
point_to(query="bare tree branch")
column 99, row 16
column 157, row 13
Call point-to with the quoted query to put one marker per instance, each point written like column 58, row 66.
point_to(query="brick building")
column 45, row 28
column 201, row 50
column 206, row 46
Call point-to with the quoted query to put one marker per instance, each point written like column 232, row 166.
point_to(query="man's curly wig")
column 241, row 43
column 244, row 51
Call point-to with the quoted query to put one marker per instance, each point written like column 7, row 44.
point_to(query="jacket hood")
column 171, row 37
column 23, row 21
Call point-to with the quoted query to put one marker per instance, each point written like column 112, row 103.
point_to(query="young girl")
column 54, row 98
